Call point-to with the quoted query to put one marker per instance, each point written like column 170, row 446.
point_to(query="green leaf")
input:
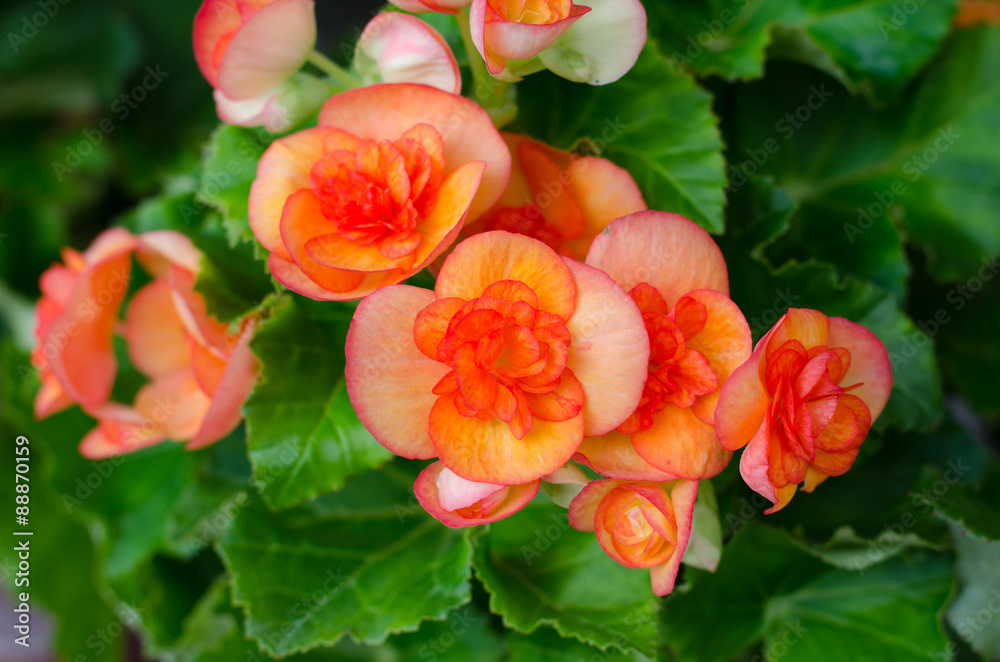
column 873, row 48
column 545, row 645
column 540, row 571
column 971, row 510
column 655, row 122
column 849, row 551
column 304, row 437
column 364, row 568
column 761, row 215
column 973, row 613
column 891, row 612
column 229, row 168
column 724, row 613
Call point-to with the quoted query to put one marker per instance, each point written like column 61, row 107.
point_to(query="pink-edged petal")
column 110, row 243
column 261, row 110
column 158, row 343
column 523, row 41
column 613, row 455
column 427, row 486
column 870, row 365
column 455, row 492
column 85, row 364
column 389, row 380
column 742, row 402
column 214, row 22
column 668, row 251
column 386, row 112
column 486, row 258
column 175, row 403
column 609, row 41
column 682, row 497
column 680, row 444
column 291, row 276
column 238, row 380
column 51, row 398
column 583, row 509
column 190, row 307
column 609, row 353
column 119, row 430
column 160, row 249
column 268, row 48
column 754, row 465
column 604, row 192
column 404, row 49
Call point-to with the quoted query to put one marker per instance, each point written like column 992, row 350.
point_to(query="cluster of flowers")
column 569, row 325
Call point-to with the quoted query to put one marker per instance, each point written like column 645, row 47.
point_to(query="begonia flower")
column 803, row 403
column 457, row 502
column 246, row 48
column 504, row 367
column 559, row 198
column 639, row 524
column 377, row 191
column 677, row 276
column 76, row 319
column 397, row 48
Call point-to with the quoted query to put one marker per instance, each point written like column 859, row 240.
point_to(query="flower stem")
column 488, row 92
column 342, row 77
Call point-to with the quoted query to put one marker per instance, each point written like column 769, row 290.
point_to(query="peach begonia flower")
column 398, row 48
column 76, row 318
column 804, row 402
column 504, row 367
column 639, row 524
column 377, row 191
column 200, row 374
column 457, row 502
column 677, row 276
column 246, row 48
column 597, row 43
column 559, row 198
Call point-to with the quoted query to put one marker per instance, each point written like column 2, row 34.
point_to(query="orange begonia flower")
column 77, row 313
column 639, row 524
column 247, row 48
column 504, row 367
column 457, row 502
column 698, row 337
column 559, row 198
column 804, row 402
column 377, row 191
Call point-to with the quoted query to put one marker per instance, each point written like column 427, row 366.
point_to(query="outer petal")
column 260, row 110
column 487, row 452
column 680, row 444
column 291, row 276
column 160, row 249
column 682, row 496
column 389, row 380
column 157, row 340
column 214, row 21
column 385, row 112
column 810, row 327
column 284, row 169
column 869, row 363
column 754, row 465
column 427, row 491
column 238, row 380
column 404, row 49
column 486, row 258
column 668, row 251
column 119, row 430
column 85, row 364
column 614, row 456
column 609, row 42
column 175, row 403
column 610, row 349
column 583, row 509
column 523, row 41
column 605, row 192
column 743, row 401
column 51, row 398
column 268, row 48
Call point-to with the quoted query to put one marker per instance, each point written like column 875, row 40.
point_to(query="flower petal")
column 119, row 430
column 682, row 497
column 389, row 380
column 404, row 49
column 608, row 42
column 427, row 490
column 238, row 380
column 604, row 192
column 613, row 455
column 157, row 340
column 583, row 509
column 870, row 365
column 680, row 444
column 609, row 353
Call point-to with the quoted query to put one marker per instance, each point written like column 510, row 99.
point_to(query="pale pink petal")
column 683, row 497
column 159, row 249
column 608, row 42
column 403, row 49
column 455, row 492
column 869, row 363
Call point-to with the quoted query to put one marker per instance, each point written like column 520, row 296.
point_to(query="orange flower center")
column 535, row 12
column 380, row 193
column 507, row 357
column 812, row 419
column 642, row 534
column 678, row 374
